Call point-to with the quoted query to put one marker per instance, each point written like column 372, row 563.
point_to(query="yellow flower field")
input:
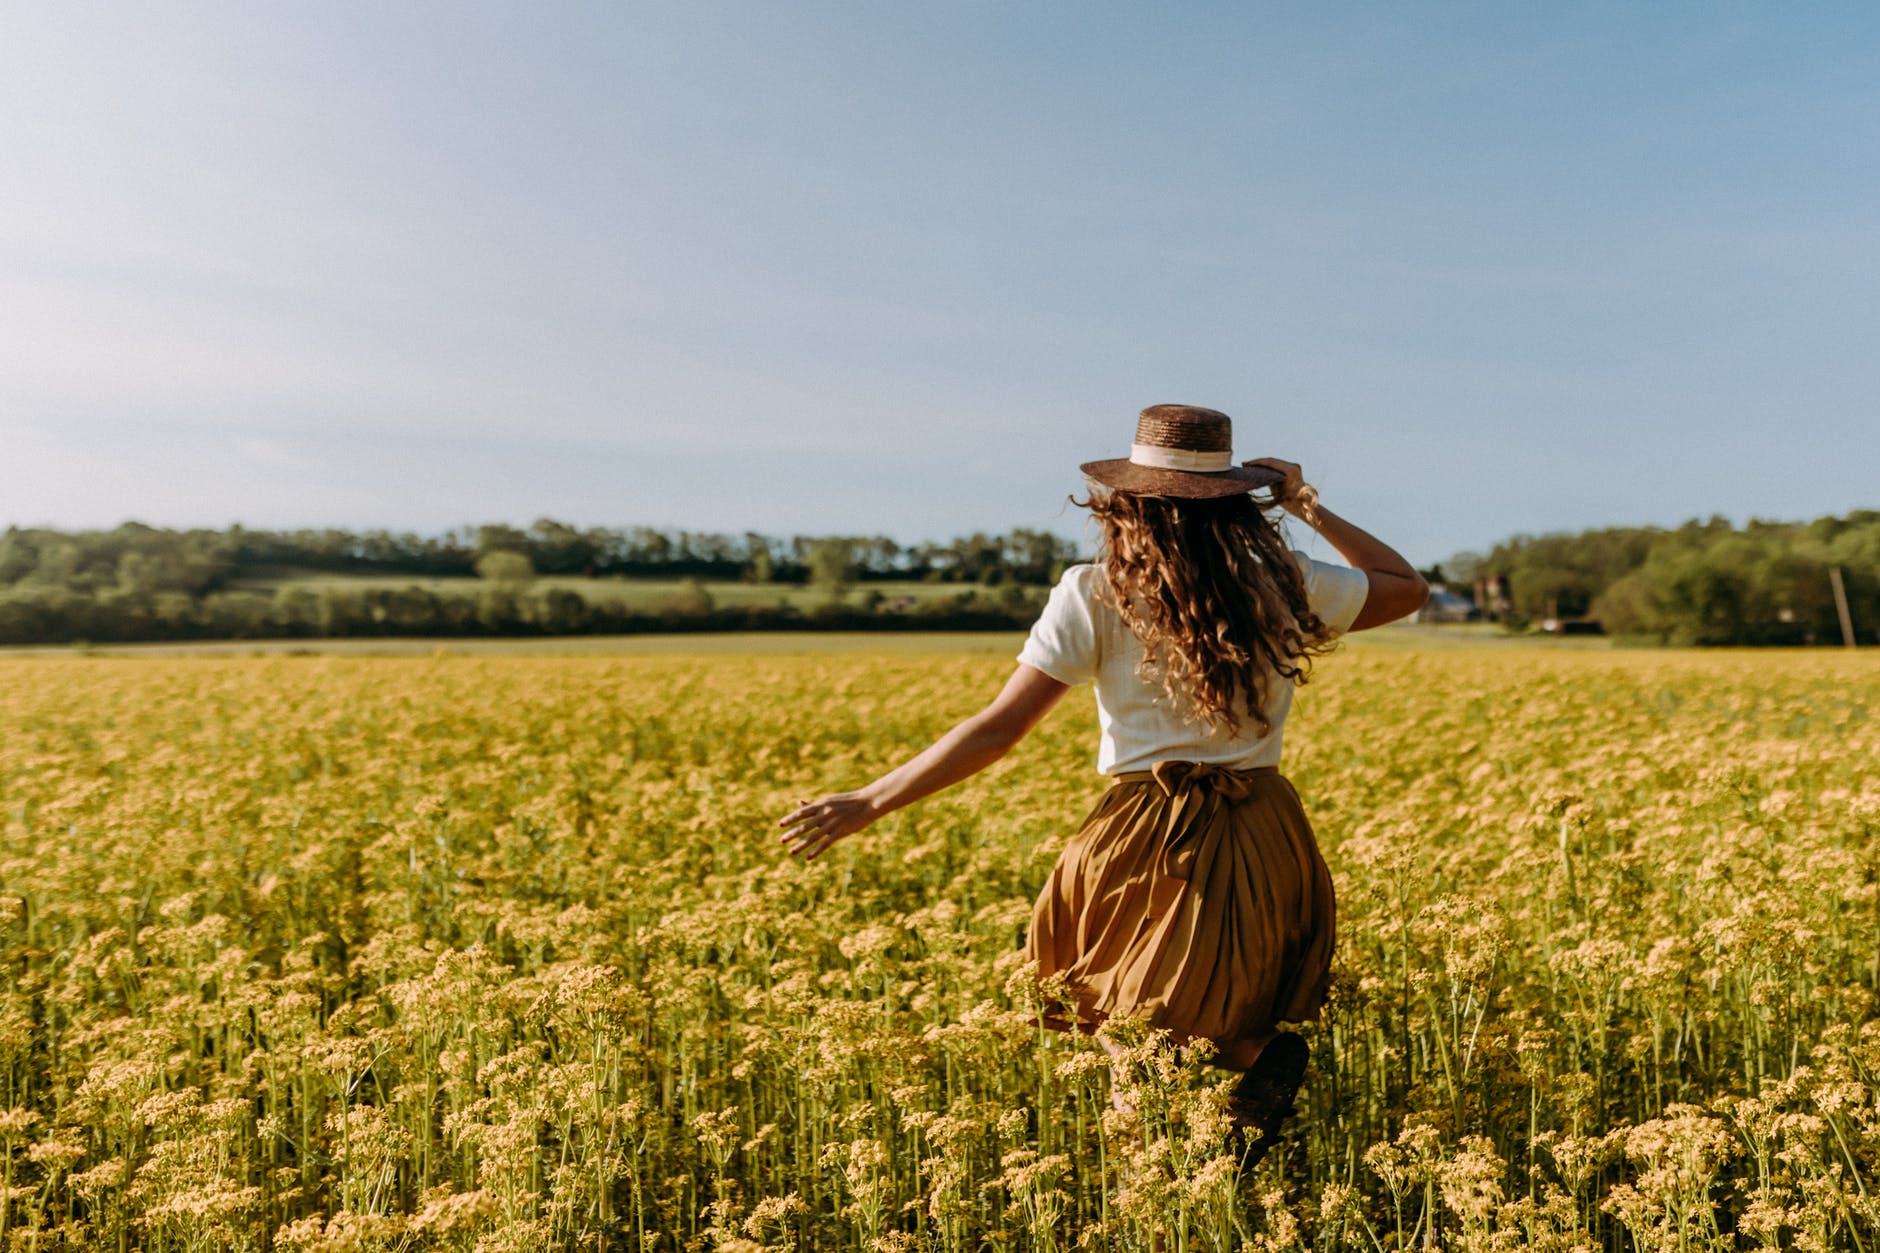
column 501, row 953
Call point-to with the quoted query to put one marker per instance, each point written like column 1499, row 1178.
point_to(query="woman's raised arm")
column 972, row 745
column 1396, row 589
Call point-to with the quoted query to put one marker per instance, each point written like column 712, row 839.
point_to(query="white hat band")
column 1160, row 458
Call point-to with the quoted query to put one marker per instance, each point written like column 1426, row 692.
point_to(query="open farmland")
column 500, row 953
column 634, row 593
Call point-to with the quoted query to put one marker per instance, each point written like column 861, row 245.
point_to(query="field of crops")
column 636, row 593
column 500, row 953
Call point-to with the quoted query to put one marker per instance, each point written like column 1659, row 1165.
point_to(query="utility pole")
column 1840, row 605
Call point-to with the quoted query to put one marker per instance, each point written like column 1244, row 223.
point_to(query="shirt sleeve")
column 1336, row 593
column 1063, row 642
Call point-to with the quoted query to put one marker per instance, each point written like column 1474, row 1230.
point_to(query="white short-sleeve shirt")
column 1080, row 638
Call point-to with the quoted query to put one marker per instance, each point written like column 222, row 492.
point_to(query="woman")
column 1194, row 893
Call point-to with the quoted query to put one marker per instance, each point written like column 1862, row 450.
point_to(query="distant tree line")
column 62, row 617
column 1020, row 556
column 137, row 582
column 1705, row 582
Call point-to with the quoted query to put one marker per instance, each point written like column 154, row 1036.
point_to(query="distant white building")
column 1445, row 606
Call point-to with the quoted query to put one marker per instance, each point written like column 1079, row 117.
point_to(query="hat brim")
column 1126, row 476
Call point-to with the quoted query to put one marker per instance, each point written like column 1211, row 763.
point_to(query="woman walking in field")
column 1194, row 893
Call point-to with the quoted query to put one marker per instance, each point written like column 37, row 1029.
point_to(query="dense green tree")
column 564, row 612
column 505, row 566
column 557, row 548
column 832, row 566
column 495, row 537
column 690, row 600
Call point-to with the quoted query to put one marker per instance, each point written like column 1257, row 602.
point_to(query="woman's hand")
column 1293, row 493
column 814, row 825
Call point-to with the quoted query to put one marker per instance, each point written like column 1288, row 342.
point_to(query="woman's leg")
column 1236, row 1055
column 1116, row 1076
column 1262, row 1099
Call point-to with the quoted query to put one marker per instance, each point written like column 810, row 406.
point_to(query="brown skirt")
column 1195, row 895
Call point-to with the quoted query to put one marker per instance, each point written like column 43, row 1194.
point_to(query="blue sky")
column 895, row 268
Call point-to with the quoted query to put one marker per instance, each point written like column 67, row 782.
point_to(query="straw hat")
column 1181, row 450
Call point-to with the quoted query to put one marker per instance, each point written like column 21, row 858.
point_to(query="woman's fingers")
column 809, row 842
column 1294, row 475
column 808, row 815
column 1293, row 487
column 801, row 822
column 811, row 847
column 801, row 837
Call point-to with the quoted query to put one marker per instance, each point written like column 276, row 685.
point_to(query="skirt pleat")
column 1194, row 895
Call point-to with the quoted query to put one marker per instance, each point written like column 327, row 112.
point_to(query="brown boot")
column 1263, row 1099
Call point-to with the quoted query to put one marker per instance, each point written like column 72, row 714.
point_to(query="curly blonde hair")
column 1212, row 591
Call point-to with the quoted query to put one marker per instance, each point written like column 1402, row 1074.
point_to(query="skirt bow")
column 1195, row 789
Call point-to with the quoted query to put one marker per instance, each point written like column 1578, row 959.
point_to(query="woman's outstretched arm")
column 968, row 748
